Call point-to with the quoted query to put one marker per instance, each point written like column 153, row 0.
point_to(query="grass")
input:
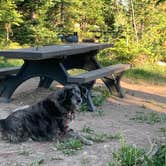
column 130, row 155
column 150, row 118
column 92, row 135
column 70, row 147
column 151, row 74
column 9, row 62
column 101, row 137
column 37, row 162
column 163, row 131
column 88, row 130
column 99, row 95
column 24, row 153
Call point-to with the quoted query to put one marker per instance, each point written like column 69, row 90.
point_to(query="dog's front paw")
column 73, row 134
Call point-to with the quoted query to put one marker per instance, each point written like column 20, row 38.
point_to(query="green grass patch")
column 130, row 155
column 76, row 71
column 101, row 137
column 163, row 130
column 37, row 162
column 9, row 62
column 88, row 130
column 150, row 74
column 94, row 136
column 99, row 96
column 70, row 146
column 150, row 118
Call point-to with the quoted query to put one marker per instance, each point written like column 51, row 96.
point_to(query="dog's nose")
column 79, row 101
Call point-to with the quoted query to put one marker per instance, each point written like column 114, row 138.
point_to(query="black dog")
column 44, row 120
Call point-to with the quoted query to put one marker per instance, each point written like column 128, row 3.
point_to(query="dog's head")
column 72, row 97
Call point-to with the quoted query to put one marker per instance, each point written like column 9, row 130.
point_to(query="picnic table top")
column 53, row 51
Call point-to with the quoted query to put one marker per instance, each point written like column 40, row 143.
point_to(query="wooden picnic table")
column 51, row 63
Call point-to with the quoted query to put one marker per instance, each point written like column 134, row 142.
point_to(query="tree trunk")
column 62, row 13
column 133, row 21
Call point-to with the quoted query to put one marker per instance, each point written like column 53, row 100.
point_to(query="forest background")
column 137, row 28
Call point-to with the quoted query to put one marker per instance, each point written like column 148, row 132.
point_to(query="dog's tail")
column 2, row 124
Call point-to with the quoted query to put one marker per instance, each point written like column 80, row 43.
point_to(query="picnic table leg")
column 50, row 69
column 87, row 96
column 45, row 82
column 83, row 62
column 113, row 82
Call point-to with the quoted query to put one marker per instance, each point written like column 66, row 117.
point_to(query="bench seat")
column 8, row 71
column 98, row 73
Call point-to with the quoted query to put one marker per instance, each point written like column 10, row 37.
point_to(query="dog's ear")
column 70, row 89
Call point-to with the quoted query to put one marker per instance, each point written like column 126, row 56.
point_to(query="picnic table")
column 52, row 62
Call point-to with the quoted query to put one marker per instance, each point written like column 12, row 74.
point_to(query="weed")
column 103, row 90
column 17, row 164
column 129, row 155
column 37, row 162
column 98, row 137
column 143, row 106
column 99, row 112
column 70, row 146
column 98, row 100
column 99, row 96
column 159, row 159
column 85, row 162
column 152, row 74
column 150, row 118
column 163, row 130
column 56, row 158
column 83, row 107
column 24, row 153
column 87, row 129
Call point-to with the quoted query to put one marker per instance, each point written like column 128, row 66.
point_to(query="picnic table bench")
column 8, row 71
column 52, row 63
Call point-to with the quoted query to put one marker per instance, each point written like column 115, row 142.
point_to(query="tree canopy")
column 136, row 27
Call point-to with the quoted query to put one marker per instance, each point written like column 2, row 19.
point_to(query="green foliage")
column 150, row 118
column 137, row 28
column 130, row 155
column 150, row 73
column 98, row 137
column 99, row 96
column 37, row 162
column 70, row 146
column 101, row 137
column 87, row 129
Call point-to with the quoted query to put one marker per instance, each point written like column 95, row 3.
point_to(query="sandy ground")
column 116, row 119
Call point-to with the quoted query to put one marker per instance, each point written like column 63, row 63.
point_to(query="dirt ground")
column 116, row 119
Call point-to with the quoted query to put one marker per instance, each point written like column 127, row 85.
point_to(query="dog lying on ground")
column 44, row 120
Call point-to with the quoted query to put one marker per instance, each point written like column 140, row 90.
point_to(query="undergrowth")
column 99, row 96
column 70, row 146
column 150, row 118
column 98, row 137
column 130, row 155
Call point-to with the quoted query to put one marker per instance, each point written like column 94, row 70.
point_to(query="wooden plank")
column 8, row 70
column 98, row 73
column 53, row 51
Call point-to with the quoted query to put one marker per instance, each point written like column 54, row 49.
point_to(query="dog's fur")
column 44, row 120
